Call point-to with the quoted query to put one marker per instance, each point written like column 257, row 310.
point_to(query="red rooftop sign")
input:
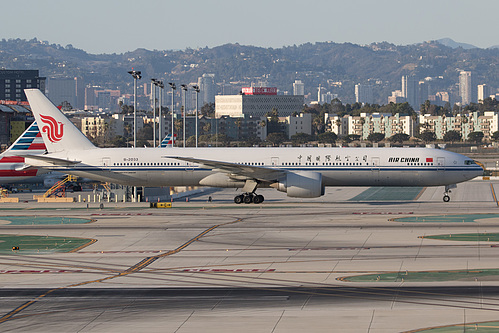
column 259, row 90
column 4, row 102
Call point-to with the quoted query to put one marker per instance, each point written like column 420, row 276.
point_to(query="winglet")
column 58, row 132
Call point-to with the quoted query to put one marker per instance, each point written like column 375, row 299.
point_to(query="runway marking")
column 222, row 270
column 121, row 214
column 420, row 194
column 383, row 213
column 116, row 252
column 329, row 248
column 31, row 271
column 135, row 268
column 494, row 193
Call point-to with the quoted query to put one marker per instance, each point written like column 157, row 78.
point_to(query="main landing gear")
column 248, row 198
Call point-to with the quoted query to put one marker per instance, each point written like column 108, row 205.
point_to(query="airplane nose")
column 479, row 164
column 479, row 172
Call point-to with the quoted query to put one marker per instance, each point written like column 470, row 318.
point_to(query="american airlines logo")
column 54, row 129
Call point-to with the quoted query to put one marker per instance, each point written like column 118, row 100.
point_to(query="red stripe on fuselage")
column 12, row 159
column 14, row 173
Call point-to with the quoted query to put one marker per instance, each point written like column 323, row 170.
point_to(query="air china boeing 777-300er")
column 300, row 172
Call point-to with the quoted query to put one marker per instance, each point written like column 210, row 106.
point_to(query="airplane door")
column 106, row 161
column 189, row 167
column 440, row 163
column 375, row 170
column 274, row 161
column 375, row 164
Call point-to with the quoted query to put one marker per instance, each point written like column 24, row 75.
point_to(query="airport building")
column 257, row 102
column 13, row 83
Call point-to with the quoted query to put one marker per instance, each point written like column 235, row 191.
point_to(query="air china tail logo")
column 53, row 129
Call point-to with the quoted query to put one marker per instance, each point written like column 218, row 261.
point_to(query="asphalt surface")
column 279, row 266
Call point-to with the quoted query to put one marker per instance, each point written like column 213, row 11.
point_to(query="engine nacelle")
column 301, row 184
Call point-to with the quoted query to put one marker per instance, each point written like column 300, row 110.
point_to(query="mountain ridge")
column 326, row 63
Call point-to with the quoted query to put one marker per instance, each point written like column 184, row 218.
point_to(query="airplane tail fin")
column 30, row 142
column 168, row 142
column 58, row 132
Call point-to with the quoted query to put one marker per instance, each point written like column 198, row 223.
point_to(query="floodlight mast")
column 174, row 87
column 136, row 76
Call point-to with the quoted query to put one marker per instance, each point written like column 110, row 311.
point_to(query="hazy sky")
column 107, row 26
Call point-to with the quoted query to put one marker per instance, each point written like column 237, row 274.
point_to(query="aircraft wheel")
column 248, row 199
column 258, row 199
column 238, row 199
column 446, row 198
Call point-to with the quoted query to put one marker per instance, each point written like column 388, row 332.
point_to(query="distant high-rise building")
column 13, row 83
column 423, row 93
column 483, row 92
column 298, row 88
column 467, row 91
column 364, row 93
column 69, row 90
column 91, row 98
column 207, row 86
column 320, row 92
column 410, row 90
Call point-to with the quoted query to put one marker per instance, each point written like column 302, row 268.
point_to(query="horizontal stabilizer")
column 42, row 160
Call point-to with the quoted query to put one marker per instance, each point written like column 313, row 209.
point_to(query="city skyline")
column 117, row 27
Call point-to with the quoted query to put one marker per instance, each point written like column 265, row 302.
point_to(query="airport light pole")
column 136, row 76
column 153, row 96
column 196, row 89
column 161, row 86
column 174, row 87
column 184, row 89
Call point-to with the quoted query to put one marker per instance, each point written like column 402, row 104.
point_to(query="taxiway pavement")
column 273, row 267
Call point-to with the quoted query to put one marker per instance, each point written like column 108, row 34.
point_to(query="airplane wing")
column 234, row 169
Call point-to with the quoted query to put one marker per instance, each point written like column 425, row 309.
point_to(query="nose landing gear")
column 448, row 188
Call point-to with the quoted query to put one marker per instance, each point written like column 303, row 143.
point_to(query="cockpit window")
column 468, row 162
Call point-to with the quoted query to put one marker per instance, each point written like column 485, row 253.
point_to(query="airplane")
column 168, row 142
column 301, row 172
column 11, row 160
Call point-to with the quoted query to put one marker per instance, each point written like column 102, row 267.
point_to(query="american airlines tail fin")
column 168, row 141
column 58, row 132
column 30, row 142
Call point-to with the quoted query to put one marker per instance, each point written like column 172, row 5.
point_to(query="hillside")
column 380, row 64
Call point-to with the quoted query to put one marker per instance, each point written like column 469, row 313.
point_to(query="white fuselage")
column 338, row 166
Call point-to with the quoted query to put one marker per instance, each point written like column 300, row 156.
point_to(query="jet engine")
column 301, row 184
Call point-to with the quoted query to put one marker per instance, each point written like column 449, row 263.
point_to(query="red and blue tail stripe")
column 30, row 140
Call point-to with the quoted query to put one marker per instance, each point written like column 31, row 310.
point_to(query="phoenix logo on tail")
column 53, row 129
